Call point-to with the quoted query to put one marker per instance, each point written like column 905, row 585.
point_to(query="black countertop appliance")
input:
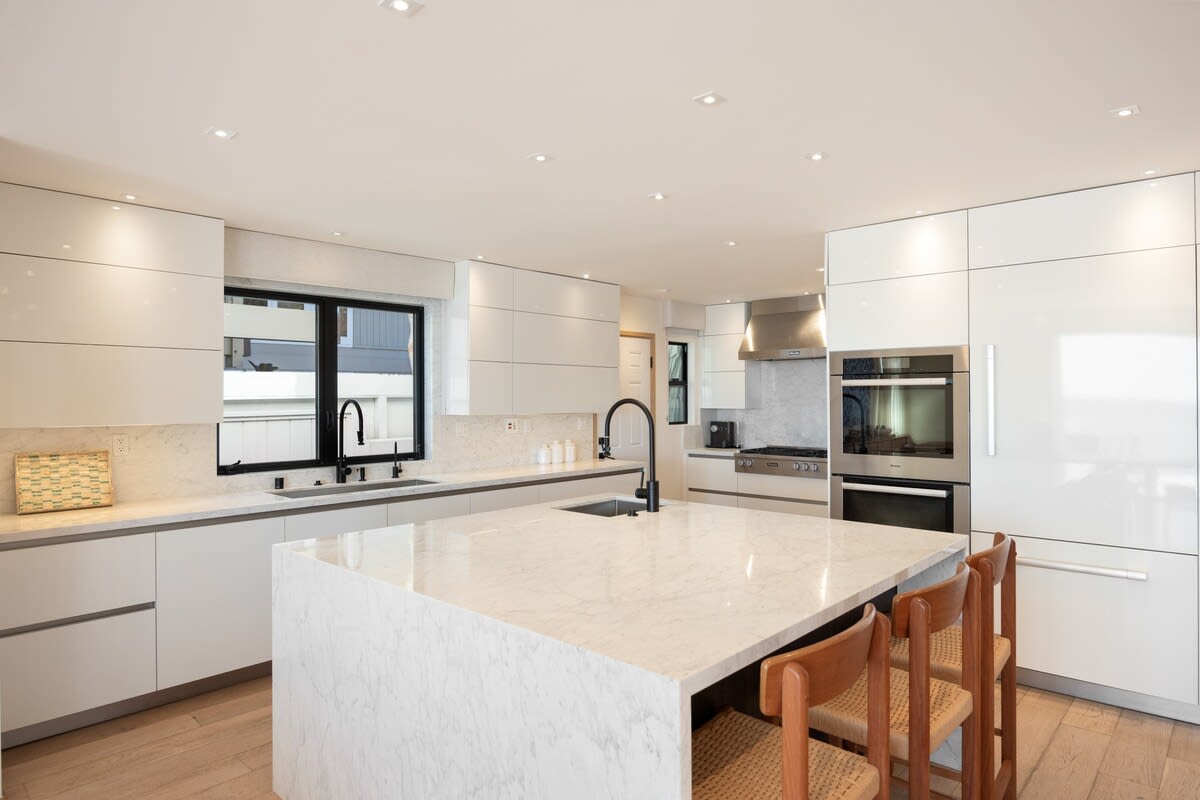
column 722, row 434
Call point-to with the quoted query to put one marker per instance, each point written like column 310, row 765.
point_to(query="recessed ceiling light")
column 658, row 196
column 818, row 156
column 727, row 300
column 408, row 7
column 338, row 233
column 1150, row 172
column 662, row 291
column 116, row 208
column 709, row 99
column 479, row 258
column 919, row 211
column 1124, row 111
column 540, row 158
column 66, row 247
column 586, row 275
column 731, row 243
column 129, row 196
column 221, row 133
column 820, row 269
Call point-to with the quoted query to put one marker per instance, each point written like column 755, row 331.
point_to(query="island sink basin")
column 613, row 507
column 346, row 488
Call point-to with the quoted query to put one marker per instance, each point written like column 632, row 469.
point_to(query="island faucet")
column 650, row 492
column 343, row 469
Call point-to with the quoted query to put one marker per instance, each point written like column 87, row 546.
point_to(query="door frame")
column 653, row 373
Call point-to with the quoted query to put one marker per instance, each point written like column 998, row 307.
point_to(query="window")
column 677, row 388
column 293, row 362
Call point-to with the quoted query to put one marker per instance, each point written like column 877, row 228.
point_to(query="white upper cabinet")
column 723, row 376
column 486, row 284
column 550, row 339
column 39, row 222
column 918, row 246
column 491, row 331
column 1111, row 219
column 726, row 319
column 921, row 311
column 1083, row 420
column 542, row 293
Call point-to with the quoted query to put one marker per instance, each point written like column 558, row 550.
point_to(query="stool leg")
column 1008, row 725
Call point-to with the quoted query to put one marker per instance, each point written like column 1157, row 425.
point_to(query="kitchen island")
column 541, row 653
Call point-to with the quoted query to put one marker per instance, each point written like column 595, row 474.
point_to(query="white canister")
column 556, row 452
column 543, row 454
column 569, row 451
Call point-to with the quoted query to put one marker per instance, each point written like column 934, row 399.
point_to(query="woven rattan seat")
column 945, row 654
column 736, row 756
column 846, row 715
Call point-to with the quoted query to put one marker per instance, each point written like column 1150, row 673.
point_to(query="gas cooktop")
column 786, row 452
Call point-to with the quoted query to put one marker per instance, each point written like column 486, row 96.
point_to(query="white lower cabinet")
column 783, row 506
column 425, row 509
column 1107, row 615
column 603, row 484
column 712, row 498
column 214, row 598
column 54, row 672
column 316, row 524
column 497, row 499
column 715, row 473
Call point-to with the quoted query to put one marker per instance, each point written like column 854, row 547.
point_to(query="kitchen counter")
column 149, row 514
column 536, row 652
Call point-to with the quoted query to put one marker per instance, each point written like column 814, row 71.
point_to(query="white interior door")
column 630, row 433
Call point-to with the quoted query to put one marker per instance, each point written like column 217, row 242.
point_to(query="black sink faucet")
column 342, row 468
column 650, row 493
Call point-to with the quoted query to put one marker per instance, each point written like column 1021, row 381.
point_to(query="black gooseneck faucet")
column 342, row 468
column 650, row 492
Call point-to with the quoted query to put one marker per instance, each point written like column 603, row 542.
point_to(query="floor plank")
column 1067, row 770
column 1092, row 716
column 232, row 708
column 1038, row 717
column 1185, row 743
column 254, row 786
column 1181, row 781
column 1138, row 750
column 258, row 757
column 1110, row 788
column 14, row 790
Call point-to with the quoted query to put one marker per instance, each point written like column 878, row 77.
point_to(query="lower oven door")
column 929, row 505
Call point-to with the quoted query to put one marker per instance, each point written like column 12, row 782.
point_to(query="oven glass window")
column 926, row 513
column 901, row 420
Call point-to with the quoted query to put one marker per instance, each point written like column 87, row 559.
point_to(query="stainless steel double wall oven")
column 899, row 452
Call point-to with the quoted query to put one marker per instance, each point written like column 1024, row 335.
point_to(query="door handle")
column 1083, row 569
column 911, row 491
column 895, row 381
column 990, row 372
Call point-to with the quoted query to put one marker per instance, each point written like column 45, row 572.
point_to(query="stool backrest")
column 945, row 602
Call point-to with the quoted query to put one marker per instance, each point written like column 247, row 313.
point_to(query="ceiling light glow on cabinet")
column 224, row 134
column 406, row 7
column 1124, row 111
column 709, row 99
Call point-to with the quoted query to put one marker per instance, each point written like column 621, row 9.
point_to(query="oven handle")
column 912, row 491
column 1084, row 569
column 895, row 381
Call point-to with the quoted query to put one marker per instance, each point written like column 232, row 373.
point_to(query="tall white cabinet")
column 724, row 381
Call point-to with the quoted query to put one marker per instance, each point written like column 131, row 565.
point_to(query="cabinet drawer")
column 1137, row 635
column 428, row 508
column 604, row 484
column 340, row 520
column 58, row 671
column 57, row 581
column 783, row 506
column 783, row 486
column 705, row 472
column 504, row 498
column 919, row 246
column 730, row 500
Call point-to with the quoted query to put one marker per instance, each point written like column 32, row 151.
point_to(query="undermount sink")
column 613, row 507
column 346, row 488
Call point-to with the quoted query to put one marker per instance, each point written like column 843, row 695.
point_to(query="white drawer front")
column 339, row 520
column 1137, row 635
column 710, row 473
column 784, row 506
column 783, row 486
column 428, row 508
column 504, row 498
column 58, row 581
column 58, row 671
column 730, row 500
column 616, row 484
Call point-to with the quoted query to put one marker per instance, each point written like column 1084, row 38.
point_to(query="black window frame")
column 326, row 373
column 681, row 382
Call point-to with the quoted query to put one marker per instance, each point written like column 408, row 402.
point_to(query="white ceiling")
column 411, row 134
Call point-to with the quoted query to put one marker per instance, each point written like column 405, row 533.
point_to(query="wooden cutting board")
column 63, row 481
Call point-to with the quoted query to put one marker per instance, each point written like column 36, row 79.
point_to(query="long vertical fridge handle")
column 990, row 366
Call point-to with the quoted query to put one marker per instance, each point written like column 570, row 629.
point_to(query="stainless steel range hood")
column 786, row 328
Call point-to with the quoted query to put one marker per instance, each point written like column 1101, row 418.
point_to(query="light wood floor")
column 218, row 747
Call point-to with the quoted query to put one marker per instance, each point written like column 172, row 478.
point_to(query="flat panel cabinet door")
column 561, row 389
column 214, row 598
column 726, row 319
column 1083, row 423
column 1131, row 634
column 604, row 484
column 548, row 339
column 924, row 311
column 918, row 246
column 489, row 285
column 543, row 293
column 716, row 474
column 720, row 353
column 54, row 672
column 723, row 390
column 428, row 508
column 491, row 334
column 1111, row 219
column 316, row 524
column 498, row 499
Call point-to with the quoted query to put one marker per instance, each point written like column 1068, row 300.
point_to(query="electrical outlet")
column 120, row 445
column 510, row 425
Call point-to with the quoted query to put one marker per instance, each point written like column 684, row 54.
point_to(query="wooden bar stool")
column 997, row 566
column 924, row 710
column 736, row 756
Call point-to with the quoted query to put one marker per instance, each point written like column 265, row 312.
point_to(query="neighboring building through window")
column 677, row 383
column 291, row 362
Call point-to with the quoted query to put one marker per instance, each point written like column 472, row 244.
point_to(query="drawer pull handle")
column 911, row 491
column 1084, row 569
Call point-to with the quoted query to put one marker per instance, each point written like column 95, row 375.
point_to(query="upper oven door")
column 893, row 416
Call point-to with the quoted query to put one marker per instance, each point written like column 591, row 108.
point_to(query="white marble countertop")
column 721, row 452
column 16, row 528
column 692, row 593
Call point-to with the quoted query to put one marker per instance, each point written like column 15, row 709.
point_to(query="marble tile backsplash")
column 180, row 460
column 794, row 408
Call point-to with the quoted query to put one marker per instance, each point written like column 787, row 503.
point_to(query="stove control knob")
column 808, row 467
column 796, row 466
